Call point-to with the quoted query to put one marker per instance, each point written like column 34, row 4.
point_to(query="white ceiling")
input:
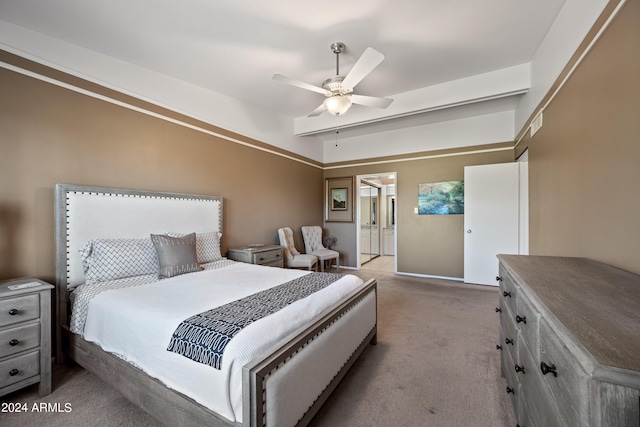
column 234, row 47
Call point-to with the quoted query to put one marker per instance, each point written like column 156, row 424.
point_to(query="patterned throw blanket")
column 204, row 337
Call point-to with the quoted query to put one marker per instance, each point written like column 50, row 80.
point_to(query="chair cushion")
column 325, row 254
column 303, row 260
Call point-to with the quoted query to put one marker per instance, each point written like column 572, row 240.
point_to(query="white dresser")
column 570, row 341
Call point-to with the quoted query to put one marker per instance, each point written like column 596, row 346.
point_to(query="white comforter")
column 137, row 324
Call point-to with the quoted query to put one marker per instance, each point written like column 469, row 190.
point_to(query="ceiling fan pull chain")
column 337, row 130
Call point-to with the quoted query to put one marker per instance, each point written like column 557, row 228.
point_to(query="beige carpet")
column 435, row 365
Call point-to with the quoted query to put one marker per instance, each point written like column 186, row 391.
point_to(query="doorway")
column 376, row 222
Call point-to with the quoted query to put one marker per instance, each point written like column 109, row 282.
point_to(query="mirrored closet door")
column 369, row 221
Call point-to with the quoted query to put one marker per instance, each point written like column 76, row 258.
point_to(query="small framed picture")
column 339, row 199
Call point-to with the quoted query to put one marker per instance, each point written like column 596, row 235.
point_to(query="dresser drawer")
column 510, row 334
column 20, row 338
column 524, row 414
column 509, row 376
column 541, row 407
column 508, row 290
column 527, row 320
column 19, row 368
column 19, row 309
column 570, row 387
column 266, row 257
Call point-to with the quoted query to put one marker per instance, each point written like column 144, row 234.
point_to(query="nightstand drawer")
column 19, row 368
column 266, row 257
column 19, row 309
column 19, row 339
column 273, row 264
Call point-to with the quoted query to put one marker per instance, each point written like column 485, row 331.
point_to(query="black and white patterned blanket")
column 204, row 337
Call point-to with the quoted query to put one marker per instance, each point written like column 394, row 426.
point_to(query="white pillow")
column 207, row 246
column 111, row 259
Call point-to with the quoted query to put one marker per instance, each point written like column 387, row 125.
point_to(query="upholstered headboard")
column 85, row 213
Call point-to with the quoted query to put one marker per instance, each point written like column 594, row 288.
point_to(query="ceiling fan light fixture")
column 337, row 104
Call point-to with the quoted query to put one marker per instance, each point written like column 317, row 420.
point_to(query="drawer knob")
column 522, row 319
column 507, row 294
column 13, row 311
column 546, row 369
column 13, row 372
column 14, row 342
column 510, row 390
column 498, row 347
column 498, row 278
column 520, row 369
column 498, row 310
column 508, row 341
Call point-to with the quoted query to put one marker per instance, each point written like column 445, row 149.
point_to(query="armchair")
column 295, row 259
column 312, row 236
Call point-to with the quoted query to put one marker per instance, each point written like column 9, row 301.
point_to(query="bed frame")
column 272, row 383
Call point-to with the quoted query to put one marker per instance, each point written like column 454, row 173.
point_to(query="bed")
column 279, row 378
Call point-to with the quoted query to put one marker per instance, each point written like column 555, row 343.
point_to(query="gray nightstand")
column 269, row 255
column 25, row 336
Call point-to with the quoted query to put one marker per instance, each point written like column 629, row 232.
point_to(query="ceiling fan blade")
column 369, row 60
column 321, row 109
column 371, row 101
column 299, row 83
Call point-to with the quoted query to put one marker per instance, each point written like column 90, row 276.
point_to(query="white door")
column 490, row 219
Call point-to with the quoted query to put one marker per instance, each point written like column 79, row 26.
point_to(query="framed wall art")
column 441, row 198
column 339, row 199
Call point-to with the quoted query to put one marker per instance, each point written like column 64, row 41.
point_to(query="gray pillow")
column 176, row 255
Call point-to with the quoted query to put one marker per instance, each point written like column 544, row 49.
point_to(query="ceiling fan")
column 339, row 89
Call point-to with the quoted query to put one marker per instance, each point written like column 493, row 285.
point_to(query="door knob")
column 469, row 231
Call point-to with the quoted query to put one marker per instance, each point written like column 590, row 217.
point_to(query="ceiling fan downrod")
column 337, row 48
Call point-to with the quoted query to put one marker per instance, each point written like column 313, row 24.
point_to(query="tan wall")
column 53, row 135
column 426, row 244
column 584, row 163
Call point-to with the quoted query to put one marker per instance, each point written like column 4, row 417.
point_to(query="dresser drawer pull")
column 13, row 311
column 498, row 310
column 510, row 390
column 14, row 342
column 522, row 319
column 507, row 294
column 498, row 347
column 508, row 341
column 520, row 369
column 498, row 278
column 546, row 369
column 13, row 372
